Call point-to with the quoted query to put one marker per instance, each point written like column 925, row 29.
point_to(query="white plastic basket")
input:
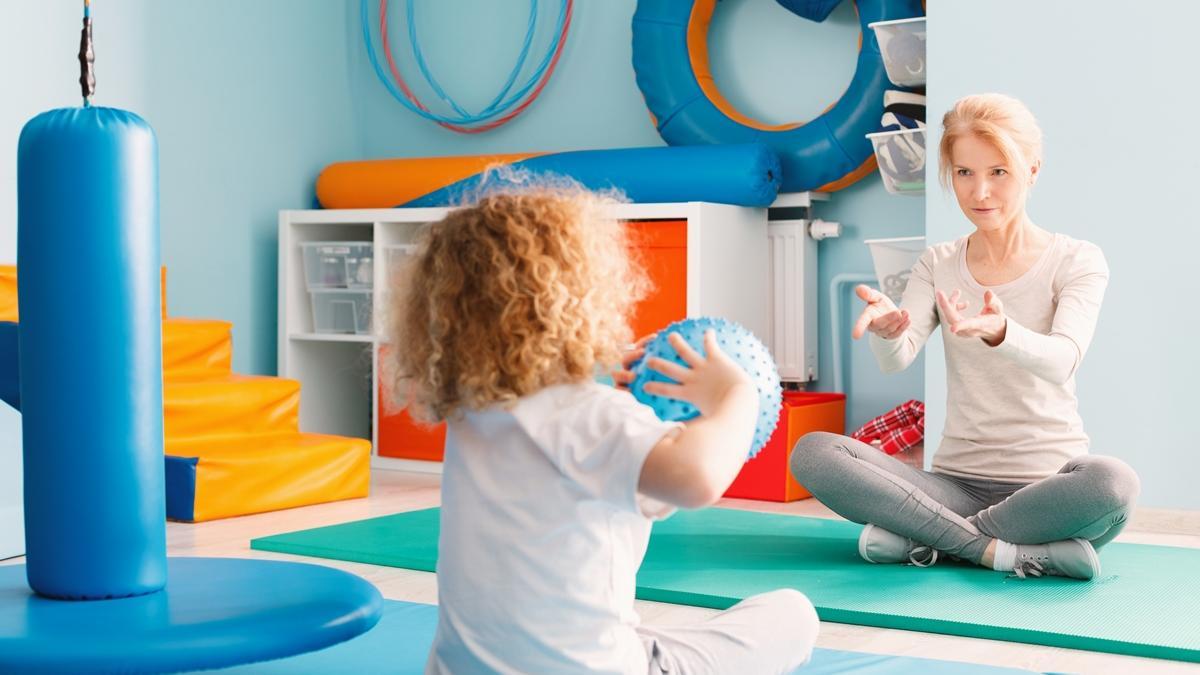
column 894, row 259
column 337, row 310
column 902, row 43
column 338, row 264
column 901, row 157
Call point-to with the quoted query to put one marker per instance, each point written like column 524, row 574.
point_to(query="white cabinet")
column 726, row 275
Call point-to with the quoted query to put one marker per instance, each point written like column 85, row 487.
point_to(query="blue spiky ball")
column 740, row 345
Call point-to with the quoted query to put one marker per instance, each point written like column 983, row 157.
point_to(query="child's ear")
column 1033, row 172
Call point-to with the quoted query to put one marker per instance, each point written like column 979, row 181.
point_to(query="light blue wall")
column 768, row 62
column 1116, row 97
column 39, row 70
column 249, row 100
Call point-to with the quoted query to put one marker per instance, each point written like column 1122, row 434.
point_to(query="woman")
column 1012, row 486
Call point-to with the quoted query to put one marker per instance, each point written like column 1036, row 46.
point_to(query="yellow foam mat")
column 196, row 348
column 237, row 476
column 231, row 405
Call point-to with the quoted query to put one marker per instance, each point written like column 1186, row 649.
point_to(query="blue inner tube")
column 670, row 60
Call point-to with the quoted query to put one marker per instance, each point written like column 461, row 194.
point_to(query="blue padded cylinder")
column 91, row 354
column 740, row 345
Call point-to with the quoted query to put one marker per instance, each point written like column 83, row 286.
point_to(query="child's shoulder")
column 573, row 404
column 575, row 395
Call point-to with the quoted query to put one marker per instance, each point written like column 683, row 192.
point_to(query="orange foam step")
column 209, row 479
column 196, row 349
column 230, row 405
column 8, row 293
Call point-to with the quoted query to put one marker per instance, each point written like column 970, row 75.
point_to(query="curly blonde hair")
column 528, row 287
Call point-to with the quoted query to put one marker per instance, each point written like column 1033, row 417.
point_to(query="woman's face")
column 989, row 191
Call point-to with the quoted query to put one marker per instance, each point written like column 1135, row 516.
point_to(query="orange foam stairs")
column 233, row 476
column 233, row 448
column 196, row 348
column 230, row 405
column 232, row 441
column 232, row 444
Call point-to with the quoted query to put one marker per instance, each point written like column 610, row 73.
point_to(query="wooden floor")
column 394, row 491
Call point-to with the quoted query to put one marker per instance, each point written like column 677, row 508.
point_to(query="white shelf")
column 334, row 337
column 410, row 465
column 727, row 276
column 798, row 199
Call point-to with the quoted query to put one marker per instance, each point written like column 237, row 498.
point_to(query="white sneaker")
column 1074, row 558
column 877, row 545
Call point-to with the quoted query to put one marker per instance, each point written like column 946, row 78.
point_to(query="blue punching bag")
column 91, row 354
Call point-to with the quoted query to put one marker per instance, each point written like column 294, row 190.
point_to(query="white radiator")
column 792, row 319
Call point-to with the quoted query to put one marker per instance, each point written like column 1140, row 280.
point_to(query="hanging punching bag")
column 91, row 351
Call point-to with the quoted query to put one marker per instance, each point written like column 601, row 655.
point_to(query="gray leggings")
column 1089, row 498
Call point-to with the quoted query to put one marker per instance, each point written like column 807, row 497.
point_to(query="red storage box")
column 767, row 476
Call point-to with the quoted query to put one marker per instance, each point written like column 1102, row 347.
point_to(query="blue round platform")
column 214, row 612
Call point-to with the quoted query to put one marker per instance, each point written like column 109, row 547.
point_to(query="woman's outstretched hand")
column 989, row 325
column 880, row 316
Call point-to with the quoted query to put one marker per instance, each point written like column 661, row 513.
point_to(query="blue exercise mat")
column 399, row 642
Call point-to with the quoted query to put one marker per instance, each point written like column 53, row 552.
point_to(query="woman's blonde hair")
column 530, row 286
column 1000, row 120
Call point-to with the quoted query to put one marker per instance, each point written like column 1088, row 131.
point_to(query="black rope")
column 87, row 59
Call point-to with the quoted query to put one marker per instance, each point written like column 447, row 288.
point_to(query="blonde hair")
column 1000, row 120
column 530, row 286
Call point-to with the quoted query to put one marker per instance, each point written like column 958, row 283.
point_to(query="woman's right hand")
column 880, row 316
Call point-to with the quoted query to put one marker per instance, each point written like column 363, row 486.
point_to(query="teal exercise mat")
column 1146, row 602
column 399, row 642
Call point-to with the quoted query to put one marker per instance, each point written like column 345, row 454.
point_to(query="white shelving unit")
column 727, row 270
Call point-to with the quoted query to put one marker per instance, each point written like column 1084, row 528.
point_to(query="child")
column 551, row 480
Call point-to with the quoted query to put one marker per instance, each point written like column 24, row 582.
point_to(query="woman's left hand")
column 989, row 325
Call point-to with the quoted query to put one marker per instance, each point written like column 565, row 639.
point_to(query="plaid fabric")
column 897, row 430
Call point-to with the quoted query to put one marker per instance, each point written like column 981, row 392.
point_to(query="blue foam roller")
column 91, row 354
column 740, row 345
column 746, row 174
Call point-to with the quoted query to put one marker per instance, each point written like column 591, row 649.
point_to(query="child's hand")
column 624, row 377
column 708, row 381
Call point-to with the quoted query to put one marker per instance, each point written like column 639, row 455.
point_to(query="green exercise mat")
column 1146, row 603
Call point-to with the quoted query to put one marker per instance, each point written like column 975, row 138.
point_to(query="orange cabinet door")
column 661, row 247
column 401, row 437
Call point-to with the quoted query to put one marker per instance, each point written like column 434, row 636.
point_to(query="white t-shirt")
column 1011, row 410
column 542, row 533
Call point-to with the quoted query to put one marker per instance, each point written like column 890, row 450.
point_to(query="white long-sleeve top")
column 1011, row 410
